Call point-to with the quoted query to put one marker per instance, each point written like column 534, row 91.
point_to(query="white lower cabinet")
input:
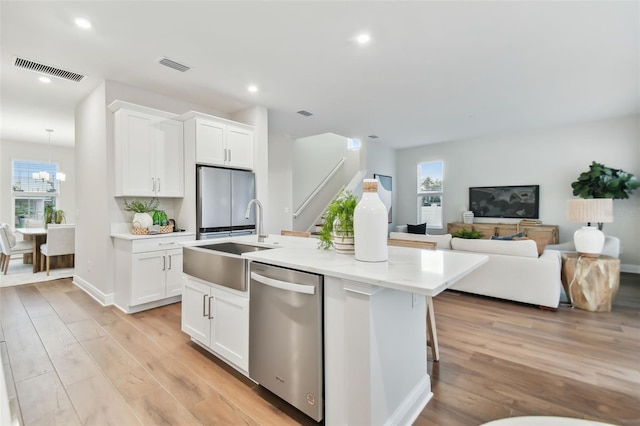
column 148, row 272
column 217, row 319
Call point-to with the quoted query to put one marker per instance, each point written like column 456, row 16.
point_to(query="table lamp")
column 589, row 240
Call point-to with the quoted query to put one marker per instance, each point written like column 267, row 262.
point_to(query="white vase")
column 370, row 225
column 467, row 217
column 142, row 220
column 589, row 241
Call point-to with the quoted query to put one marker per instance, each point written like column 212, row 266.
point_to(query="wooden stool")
column 591, row 283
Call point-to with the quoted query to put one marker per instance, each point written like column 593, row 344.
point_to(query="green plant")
column 604, row 182
column 340, row 212
column 465, row 233
column 49, row 214
column 138, row 206
column 60, row 216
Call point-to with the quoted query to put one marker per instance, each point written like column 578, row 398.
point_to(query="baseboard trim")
column 99, row 296
column 413, row 404
column 633, row 269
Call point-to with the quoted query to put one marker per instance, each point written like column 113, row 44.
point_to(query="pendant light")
column 43, row 175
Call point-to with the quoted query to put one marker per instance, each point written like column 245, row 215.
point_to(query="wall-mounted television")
column 521, row 202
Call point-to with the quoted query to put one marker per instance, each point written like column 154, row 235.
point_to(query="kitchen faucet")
column 260, row 227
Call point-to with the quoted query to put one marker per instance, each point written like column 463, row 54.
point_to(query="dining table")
column 38, row 236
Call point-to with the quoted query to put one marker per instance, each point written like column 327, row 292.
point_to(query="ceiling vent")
column 173, row 64
column 373, row 136
column 48, row 70
column 305, row 113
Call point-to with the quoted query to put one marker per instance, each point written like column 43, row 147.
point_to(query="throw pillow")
column 541, row 242
column 508, row 237
column 417, row 229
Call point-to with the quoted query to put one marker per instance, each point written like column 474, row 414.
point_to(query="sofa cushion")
column 417, row 229
column 541, row 242
column 508, row 237
column 442, row 241
column 525, row 248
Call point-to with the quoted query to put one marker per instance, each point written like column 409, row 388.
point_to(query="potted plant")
column 465, row 233
column 60, row 216
column 142, row 218
column 601, row 181
column 49, row 214
column 337, row 229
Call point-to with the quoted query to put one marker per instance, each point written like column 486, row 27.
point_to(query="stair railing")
column 319, row 188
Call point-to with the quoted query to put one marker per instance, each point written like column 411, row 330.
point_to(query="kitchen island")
column 375, row 357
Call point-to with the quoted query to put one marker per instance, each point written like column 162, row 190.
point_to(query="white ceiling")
column 433, row 71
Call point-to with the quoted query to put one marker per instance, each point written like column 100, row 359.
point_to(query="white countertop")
column 427, row 272
column 130, row 236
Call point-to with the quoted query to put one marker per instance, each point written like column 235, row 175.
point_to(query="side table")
column 591, row 283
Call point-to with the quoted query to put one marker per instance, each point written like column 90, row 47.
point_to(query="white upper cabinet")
column 149, row 152
column 220, row 142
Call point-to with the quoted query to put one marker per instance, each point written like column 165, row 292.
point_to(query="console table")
column 550, row 232
column 591, row 283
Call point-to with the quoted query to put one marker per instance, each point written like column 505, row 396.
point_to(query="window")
column 430, row 193
column 31, row 193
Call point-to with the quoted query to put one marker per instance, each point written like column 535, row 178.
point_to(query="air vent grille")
column 48, row 70
column 173, row 64
column 373, row 136
column 305, row 113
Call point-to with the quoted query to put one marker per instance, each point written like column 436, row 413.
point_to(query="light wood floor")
column 71, row 361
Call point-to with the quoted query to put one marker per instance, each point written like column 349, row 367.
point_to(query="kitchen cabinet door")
column 230, row 327
column 135, row 139
column 174, row 273
column 169, row 159
column 195, row 310
column 210, row 142
column 239, row 147
column 148, row 277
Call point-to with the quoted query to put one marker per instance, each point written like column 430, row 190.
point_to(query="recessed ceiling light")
column 363, row 38
column 44, row 79
column 253, row 88
column 85, row 24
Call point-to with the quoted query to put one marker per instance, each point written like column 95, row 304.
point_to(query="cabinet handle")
column 164, row 263
column 153, row 184
column 166, row 244
column 225, row 154
column 169, row 262
column 229, row 155
column 204, row 304
column 158, row 184
column 210, row 317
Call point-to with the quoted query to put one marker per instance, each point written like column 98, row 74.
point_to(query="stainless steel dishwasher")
column 285, row 335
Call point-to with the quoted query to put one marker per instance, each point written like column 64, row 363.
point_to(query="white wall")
column 62, row 155
column 382, row 160
column 280, row 193
column 551, row 158
column 93, row 269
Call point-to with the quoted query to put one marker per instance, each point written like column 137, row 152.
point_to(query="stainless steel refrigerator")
column 221, row 202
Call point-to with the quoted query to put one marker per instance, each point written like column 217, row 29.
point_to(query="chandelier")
column 44, row 175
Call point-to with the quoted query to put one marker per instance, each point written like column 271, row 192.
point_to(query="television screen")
column 505, row 201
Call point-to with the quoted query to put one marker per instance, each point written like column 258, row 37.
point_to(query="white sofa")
column 514, row 272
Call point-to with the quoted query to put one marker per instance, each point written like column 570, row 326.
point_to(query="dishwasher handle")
column 283, row 285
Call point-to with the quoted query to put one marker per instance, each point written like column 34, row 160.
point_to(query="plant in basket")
column 141, row 218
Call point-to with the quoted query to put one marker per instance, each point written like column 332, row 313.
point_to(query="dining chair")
column 32, row 223
column 431, row 316
column 295, row 233
column 10, row 246
column 61, row 240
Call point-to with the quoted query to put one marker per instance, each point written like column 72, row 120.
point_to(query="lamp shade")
column 598, row 210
